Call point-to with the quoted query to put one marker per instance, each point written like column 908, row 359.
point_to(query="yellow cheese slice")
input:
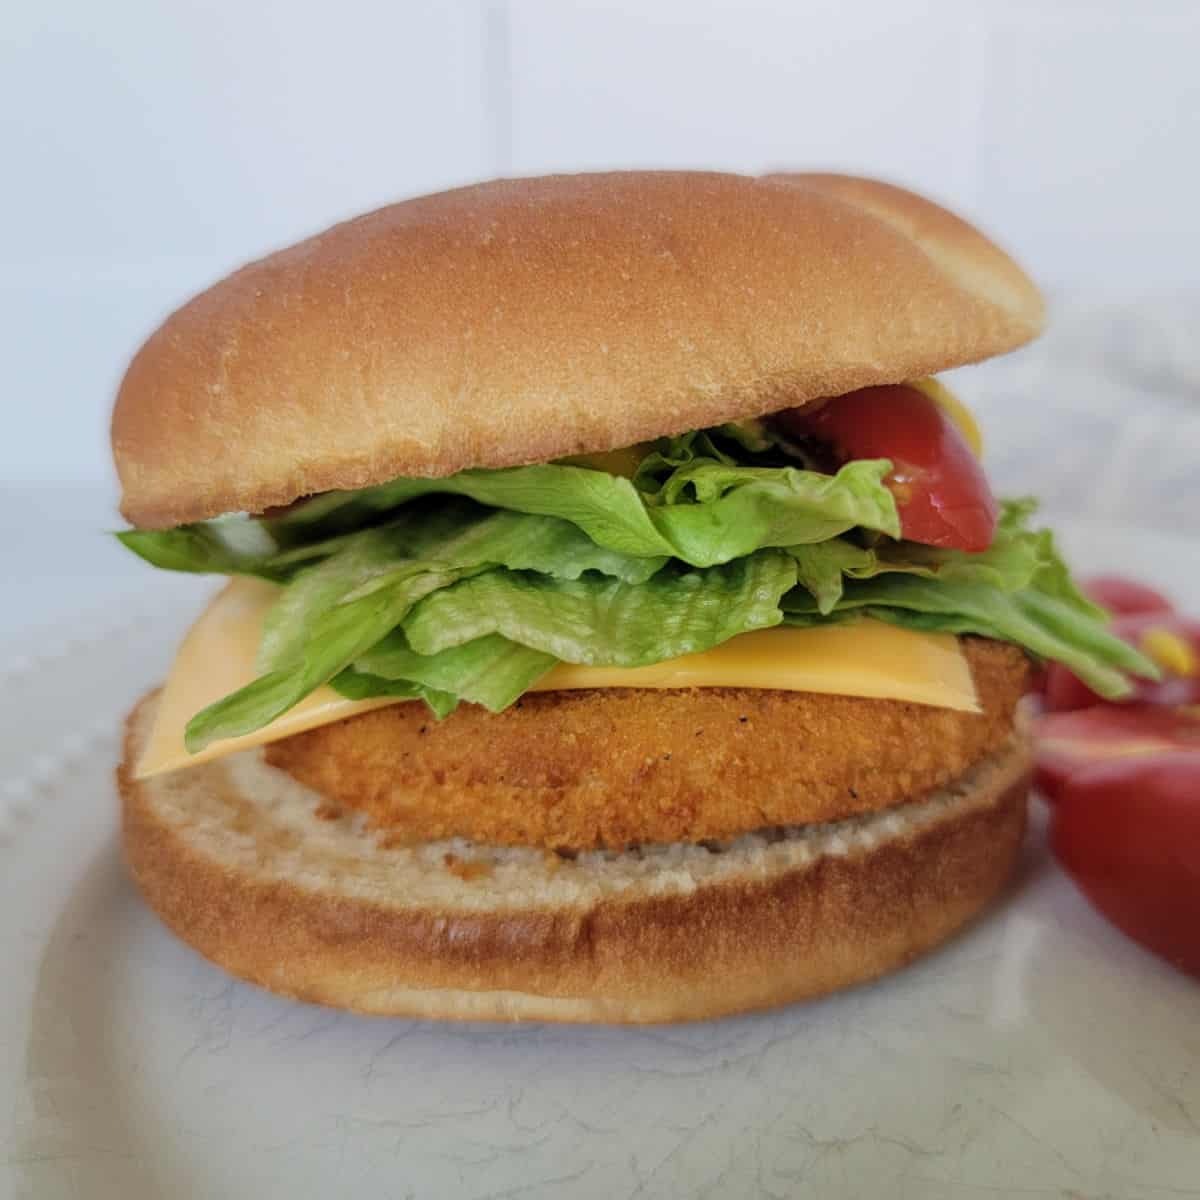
column 868, row 658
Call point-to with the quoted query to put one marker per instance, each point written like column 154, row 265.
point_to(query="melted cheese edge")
column 868, row 658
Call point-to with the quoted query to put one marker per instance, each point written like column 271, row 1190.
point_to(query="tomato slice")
column 1067, row 743
column 941, row 493
column 1173, row 641
column 1123, row 596
column 1128, row 833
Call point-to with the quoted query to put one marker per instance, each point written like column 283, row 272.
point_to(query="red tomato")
column 1122, row 596
column 1128, row 833
column 941, row 493
column 1067, row 743
column 1064, row 691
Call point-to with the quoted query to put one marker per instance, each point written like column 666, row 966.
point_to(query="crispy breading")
column 613, row 768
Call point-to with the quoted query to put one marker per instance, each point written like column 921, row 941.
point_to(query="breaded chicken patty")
column 612, row 768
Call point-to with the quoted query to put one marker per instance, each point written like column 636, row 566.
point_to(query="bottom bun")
column 235, row 859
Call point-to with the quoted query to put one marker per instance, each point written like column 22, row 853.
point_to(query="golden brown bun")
column 523, row 320
column 232, row 857
column 611, row 768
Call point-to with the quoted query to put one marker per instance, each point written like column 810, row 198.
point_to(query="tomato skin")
column 1128, row 833
column 942, row 495
column 1123, row 596
column 1065, row 692
column 1068, row 743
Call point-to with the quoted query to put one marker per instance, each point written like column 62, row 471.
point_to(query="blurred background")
column 149, row 148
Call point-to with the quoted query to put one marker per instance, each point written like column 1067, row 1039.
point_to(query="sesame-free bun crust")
column 523, row 320
column 235, row 861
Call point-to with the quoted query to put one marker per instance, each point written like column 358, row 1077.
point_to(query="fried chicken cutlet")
column 580, row 770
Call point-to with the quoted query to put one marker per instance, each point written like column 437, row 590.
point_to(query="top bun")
column 523, row 320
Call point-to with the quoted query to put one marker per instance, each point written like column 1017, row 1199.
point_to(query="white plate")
column 1039, row 1053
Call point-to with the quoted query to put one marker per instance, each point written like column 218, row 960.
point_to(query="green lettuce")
column 706, row 511
column 489, row 670
column 335, row 639
column 487, row 636
column 823, row 568
column 470, row 588
column 603, row 622
column 1018, row 590
column 459, row 535
column 691, row 502
column 358, row 685
column 224, row 546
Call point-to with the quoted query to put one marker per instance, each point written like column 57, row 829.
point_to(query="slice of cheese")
column 868, row 658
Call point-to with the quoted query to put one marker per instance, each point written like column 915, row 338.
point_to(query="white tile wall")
column 145, row 148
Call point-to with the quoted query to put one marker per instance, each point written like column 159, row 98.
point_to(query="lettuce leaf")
column 334, row 640
column 376, row 624
column 822, row 569
column 458, row 535
column 472, row 587
column 702, row 508
column 451, row 642
column 1019, row 590
column 489, row 670
column 691, row 501
column 356, row 685
column 1016, row 558
column 224, row 546
column 1032, row 619
column 734, row 510
column 605, row 622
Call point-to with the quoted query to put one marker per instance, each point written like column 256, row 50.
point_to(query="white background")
column 146, row 148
